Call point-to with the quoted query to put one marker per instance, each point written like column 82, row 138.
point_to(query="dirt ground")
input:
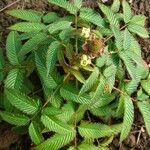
column 138, row 139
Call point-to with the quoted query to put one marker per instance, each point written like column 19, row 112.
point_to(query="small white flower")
column 85, row 32
column 85, row 60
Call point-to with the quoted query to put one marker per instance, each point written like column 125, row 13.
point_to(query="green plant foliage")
column 14, row 119
column 27, row 15
column 144, row 108
column 74, row 81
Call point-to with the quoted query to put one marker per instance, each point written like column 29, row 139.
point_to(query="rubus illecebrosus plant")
column 91, row 72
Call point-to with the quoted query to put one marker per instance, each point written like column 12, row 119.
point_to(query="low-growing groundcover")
column 91, row 71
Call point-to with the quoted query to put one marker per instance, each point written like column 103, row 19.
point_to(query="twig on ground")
column 9, row 5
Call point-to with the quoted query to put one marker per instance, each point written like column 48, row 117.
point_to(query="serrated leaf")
column 57, row 26
column 138, row 19
column 128, row 117
column 90, row 81
column 53, row 124
column 28, row 15
column 14, row 119
column 146, row 85
column 32, row 43
column 115, row 6
column 56, row 142
column 92, row 16
column 95, row 130
column 14, row 79
column 139, row 30
column 65, row 4
column 13, row 46
column 50, row 17
column 21, row 101
column 111, row 16
column 51, row 56
column 126, row 11
column 127, row 40
column 70, row 93
column 144, row 108
column 35, row 133
column 28, row 27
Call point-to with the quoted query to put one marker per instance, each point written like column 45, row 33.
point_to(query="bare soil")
column 138, row 139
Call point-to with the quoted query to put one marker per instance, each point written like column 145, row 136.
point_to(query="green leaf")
column 66, row 5
column 50, row 81
column 92, row 16
column 111, row 16
column 85, row 146
column 57, row 26
column 28, row 15
column 144, row 108
column 28, row 27
column 141, row 95
column 90, row 81
column 126, row 11
column 35, row 133
column 146, row 85
column 50, row 17
column 127, row 40
column 14, row 119
column 14, row 79
column 95, row 130
column 128, row 117
column 115, row 6
column 70, row 93
column 2, row 63
column 77, row 74
column 32, row 43
column 139, row 30
column 51, row 56
column 21, row 101
column 56, row 142
column 13, row 46
column 53, row 124
column 139, row 20
column 78, row 3
column 118, row 37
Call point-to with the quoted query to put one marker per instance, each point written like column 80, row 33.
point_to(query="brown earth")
column 138, row 139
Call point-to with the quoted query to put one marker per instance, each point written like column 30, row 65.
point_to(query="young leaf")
column 21, row 101
column 139, row 30
column 111, row 16
column 14, row 79
column 32, row 43
column 50, row 17
column 56, row 142
column 144, row 108
column 13, row 46
column 53, row 124
column 90, row 81
column 115, row 6
column 27, row 15
column 90, row 15
column 59, row 25
column 128, row 117
column 51, row 56
column 28, row 27
column 35, row 133
column 14, row 119
column 126, row 11
column 65, row 4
